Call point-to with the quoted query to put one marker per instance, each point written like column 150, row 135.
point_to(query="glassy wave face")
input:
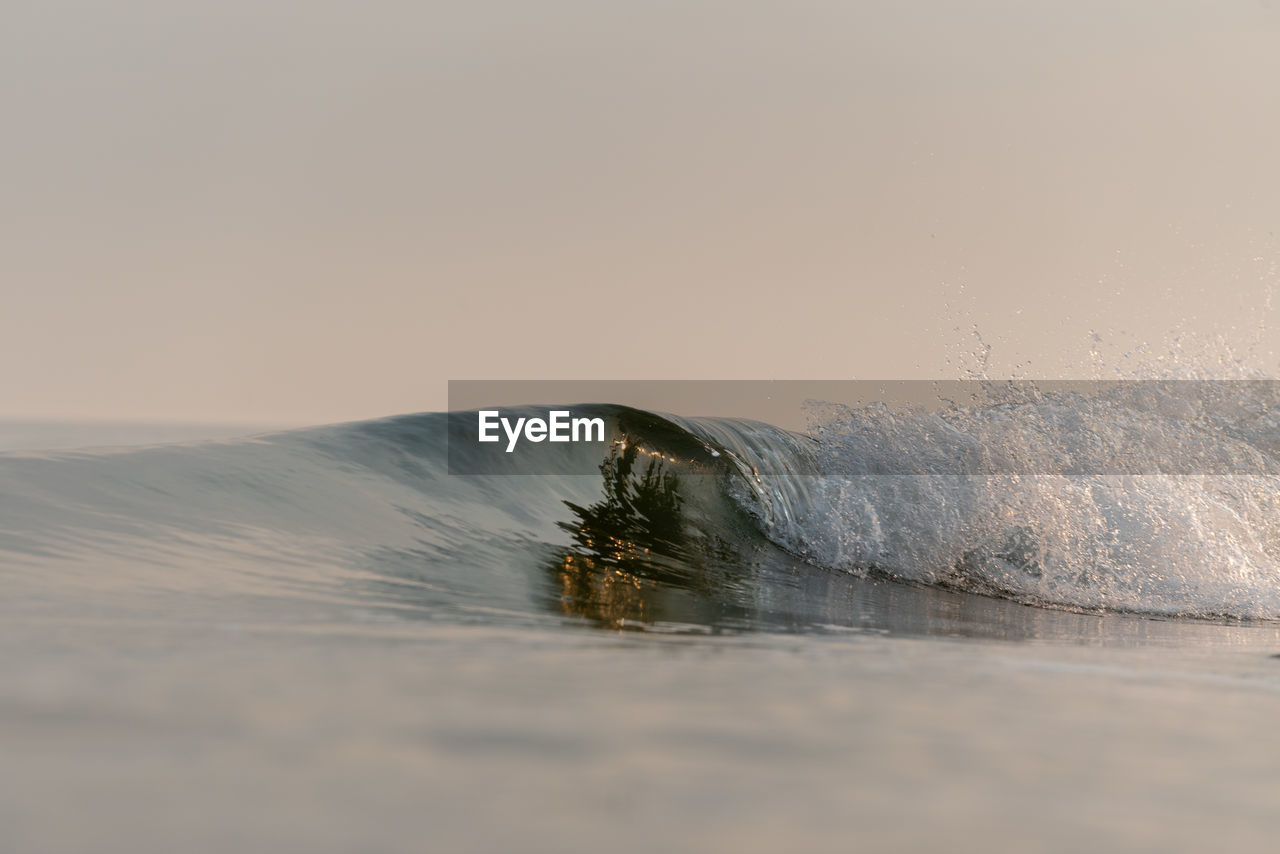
column 687, row 524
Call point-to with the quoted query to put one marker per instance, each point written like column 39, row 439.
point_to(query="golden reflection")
column 605, row 595
column 627, row 546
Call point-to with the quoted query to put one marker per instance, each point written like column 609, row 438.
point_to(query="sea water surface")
column 321, row 640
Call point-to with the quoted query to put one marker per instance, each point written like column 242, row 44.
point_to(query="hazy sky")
column 305, row 211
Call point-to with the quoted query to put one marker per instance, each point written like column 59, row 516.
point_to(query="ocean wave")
column 1052, row 499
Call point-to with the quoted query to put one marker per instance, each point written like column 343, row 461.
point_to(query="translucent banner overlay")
column 865, row 427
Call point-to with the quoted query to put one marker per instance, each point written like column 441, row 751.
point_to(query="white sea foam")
column 1149, row 497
